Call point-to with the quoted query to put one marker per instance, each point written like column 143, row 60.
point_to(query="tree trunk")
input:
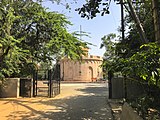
column 156, row 20
column 137, row 22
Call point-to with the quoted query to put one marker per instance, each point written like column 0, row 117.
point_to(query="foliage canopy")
column 30, row 34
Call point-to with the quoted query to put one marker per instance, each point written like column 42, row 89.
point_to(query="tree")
column 93, row 7
column 30, row 34
column 132, row 41
column 108, row 42
column 132, row 58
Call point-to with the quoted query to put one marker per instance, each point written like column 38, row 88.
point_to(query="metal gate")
column 46, row 82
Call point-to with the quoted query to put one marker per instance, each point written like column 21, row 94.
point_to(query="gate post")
column 50, row 82
column 35, row 75
column 110, row 76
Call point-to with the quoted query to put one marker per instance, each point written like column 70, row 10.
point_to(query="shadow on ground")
column 90, row 106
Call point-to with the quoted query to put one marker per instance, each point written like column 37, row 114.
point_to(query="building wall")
column 88, row 70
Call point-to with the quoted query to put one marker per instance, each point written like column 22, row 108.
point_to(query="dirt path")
column 83, row 101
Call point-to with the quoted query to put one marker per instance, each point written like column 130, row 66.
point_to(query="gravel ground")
column 77, row 101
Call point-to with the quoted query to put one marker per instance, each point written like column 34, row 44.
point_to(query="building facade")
column 87, row 70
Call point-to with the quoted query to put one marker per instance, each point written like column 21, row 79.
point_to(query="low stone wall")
column 26, row 87
column 135, row 89
column 132, row 88
column 10, row 88
column 16, row 87
column 117, row 86
column 128, row 113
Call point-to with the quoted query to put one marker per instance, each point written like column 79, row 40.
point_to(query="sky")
column 96, row 27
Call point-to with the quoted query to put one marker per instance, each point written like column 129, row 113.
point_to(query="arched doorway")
column 90, row 73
